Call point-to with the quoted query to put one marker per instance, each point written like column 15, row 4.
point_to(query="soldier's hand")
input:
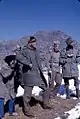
column 49, row 73
column 30, row 65
column 70, row 55
column 50, row 66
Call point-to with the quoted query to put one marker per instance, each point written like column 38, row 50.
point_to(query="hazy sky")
column 24, row 17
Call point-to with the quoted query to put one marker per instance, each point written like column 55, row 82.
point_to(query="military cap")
column 9, row 58
column 69, row 41
column 56, row 42
column 32, row 39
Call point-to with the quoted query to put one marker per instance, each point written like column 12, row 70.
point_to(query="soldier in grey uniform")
column 69, row 58
column 55, row 68
column 32, row 71
column 5, row 71
column 7, row 91
column 10, row 83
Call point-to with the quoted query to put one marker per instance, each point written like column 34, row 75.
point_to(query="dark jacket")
column 27, row 56
column 69, row 59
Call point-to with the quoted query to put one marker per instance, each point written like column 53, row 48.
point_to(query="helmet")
column 69, row 41
column 32, row 39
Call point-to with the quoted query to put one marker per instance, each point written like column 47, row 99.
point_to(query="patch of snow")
column 20, row 91
column 74, row 113
column 58, row 118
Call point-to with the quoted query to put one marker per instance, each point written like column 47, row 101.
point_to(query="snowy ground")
column 75, row 112
column 37, row 94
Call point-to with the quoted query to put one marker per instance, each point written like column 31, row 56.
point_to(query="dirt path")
column 59, row 107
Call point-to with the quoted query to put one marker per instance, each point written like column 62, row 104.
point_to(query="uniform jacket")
column 69, row 59
column 54, row 61
column 31, row 77
column 5, row 71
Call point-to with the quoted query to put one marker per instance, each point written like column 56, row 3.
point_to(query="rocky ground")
column 59, row 107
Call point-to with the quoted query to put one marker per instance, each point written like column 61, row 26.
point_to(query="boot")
column 14, row 114
column 77, row 93
column 47, row 106
column 46, row 95
column 55, row 90
column 28, row 112
column 67, row 92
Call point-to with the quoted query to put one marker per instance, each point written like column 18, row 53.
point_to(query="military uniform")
column 55, row 68
column 10, row 60
column 5, row 71
column 69, row 58
column 10, row 83
column 32, row 71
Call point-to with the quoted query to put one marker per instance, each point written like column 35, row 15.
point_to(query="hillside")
column 44, row 43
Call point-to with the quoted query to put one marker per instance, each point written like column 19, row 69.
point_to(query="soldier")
column 55, row 68
column 69, row 59
column 4, row 95
column 18, row 69
column 7, row 88
column 10, row 84
column 32, row 72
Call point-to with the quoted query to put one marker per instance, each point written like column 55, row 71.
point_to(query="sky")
column 20, row 18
